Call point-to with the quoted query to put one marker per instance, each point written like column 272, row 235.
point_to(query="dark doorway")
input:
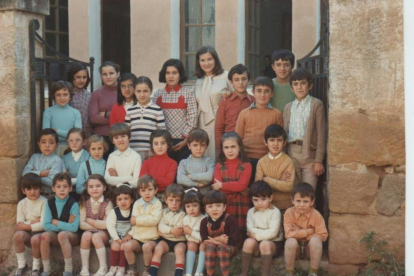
column 116, row 33
column 268, row 27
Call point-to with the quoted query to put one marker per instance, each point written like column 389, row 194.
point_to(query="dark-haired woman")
column 78, row 75
column 102, row 101
column 179, row 105
column 211, row 84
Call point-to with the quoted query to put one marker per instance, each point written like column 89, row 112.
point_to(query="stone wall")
column 366, row 152
column 15, row 135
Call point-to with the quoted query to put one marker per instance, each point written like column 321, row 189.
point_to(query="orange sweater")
column 296, row 225
column 251, row 125
column 273, row 169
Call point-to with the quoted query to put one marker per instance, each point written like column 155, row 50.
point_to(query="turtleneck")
column 162, row 168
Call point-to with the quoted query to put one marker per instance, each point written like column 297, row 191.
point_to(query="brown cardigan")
column 314, row 139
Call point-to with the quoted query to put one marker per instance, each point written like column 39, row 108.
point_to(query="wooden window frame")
column 248, row 51
column 57, row 32
column 183, row 25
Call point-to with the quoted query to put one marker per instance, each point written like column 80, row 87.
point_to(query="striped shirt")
column 143, row 120
column 180, row 109
column 39, row 162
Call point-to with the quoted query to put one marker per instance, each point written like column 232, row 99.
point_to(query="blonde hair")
column 95, row 138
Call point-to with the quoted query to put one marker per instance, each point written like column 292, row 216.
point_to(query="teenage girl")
column 75, row 155
column 143, row 118
column 78, row 75
column 160, row 166
column 193, row 204
column 125, row 98
column 119, row 227
column 96, row 146
column 232, row 175
column 179, row 105
column 95, row 204
column 102, row 101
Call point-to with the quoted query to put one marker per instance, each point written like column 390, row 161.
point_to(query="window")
column 57, row 27
column 253, row 37
column 197, row 29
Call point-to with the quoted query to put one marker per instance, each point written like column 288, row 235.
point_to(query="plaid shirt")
column 180, row 109
column 80, row 101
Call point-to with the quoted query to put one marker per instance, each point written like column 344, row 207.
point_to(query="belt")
column 297, row 142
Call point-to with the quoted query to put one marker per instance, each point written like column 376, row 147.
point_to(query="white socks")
column 85, row 257
column 46, row 265
column 21, row 260
column 68, row 265
column 36, row 264
column 101, row 252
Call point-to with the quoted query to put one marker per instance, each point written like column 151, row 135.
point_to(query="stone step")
column 168, row 263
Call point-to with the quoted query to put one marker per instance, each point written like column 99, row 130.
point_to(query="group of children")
column 158, row 153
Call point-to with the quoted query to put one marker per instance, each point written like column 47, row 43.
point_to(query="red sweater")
column 117, row 114
column 162, row 168
column 234, row 186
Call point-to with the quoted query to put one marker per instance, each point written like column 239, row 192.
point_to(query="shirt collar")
column 126, row 152
column 275, row 157
column 270, row 207
column 175, row 88
column 233, row 96
column 192, row 157
column 77, row 155
column 253, row 105
column 176, row 212
column 298, row 215
column 100, row 200
column 146, row 204
column 144, row 106
column 304, row 100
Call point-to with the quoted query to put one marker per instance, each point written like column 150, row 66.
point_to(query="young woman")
column 211, row 84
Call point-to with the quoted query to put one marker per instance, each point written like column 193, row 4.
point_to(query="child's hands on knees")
column 72, row 218
column 177, row 231
column 318, row 168
column 133, row 220
column 286, row 176
column 127, row 238
column 119, row 241
column 187, row 230
column 112, row 172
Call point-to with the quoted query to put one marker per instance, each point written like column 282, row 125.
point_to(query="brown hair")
column 174, row 190
column 214, row 197
column 85, row 195
column 119, row 129
column 198, row 135
column 218, row 69
column 58, row 86
column 304, row 190
column 146, row 180
column 95, row 138
column 242, row 154
column 61, row 177
column 31, row 180
column 74, row 130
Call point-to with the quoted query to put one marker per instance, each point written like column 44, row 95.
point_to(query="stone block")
column 366, row 29
column 345, row 232
column 15, row 137
column 351, row 191
column 9, row 181
column 38, row 6
column 373, row 139
column 391, row 195
column 7, row 222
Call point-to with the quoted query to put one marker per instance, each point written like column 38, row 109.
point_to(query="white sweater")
column 266, row 225
column 30, row 210
column 194, row 224
column 171, row 220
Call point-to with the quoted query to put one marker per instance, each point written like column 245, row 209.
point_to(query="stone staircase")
column 168, row 263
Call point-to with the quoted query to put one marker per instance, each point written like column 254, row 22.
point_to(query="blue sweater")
column 62, row 226
column 62, row 118
column 71, row 165
column 97, row 167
